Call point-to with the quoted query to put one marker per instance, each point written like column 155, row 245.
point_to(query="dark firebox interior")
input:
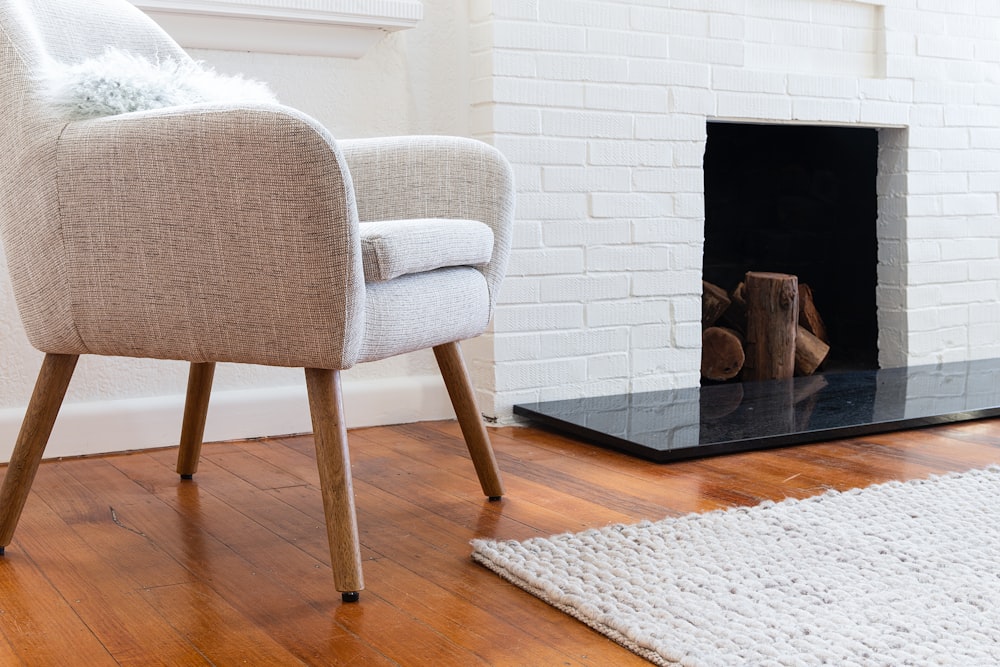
column 799, row 200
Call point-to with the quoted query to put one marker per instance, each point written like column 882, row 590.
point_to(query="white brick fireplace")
column 601, row 106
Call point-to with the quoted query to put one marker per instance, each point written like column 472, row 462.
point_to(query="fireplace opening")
column 799, row 200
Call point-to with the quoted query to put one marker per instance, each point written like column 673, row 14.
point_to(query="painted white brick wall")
column 601, row 105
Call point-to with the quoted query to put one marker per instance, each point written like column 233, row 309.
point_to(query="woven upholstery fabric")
column 233, row 240
column 421, row 310
column 73, row 31
column 393, row 248
column 30, row 31
column 229, row 231
column 436, row 177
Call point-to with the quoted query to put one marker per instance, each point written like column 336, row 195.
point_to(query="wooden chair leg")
column 456, row 379
column 47, row 398
column 199, row 390
column 326, row 406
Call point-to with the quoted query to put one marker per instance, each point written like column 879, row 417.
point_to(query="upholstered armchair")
column 234, row 232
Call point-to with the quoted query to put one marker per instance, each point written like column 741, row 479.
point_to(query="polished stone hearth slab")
column 719, row 419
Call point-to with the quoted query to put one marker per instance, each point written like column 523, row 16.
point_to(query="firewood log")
column 810, row 352
column 714, row 302
column 736, row 315
column 772, row 324
column 722, row 353
column 809, row 317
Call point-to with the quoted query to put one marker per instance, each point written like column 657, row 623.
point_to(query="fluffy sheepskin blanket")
column 119, row 82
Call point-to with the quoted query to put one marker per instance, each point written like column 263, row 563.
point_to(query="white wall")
column 601, row 106
column 413, row 81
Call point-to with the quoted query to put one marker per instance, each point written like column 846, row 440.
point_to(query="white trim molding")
column 342, row 28
column 142, row 423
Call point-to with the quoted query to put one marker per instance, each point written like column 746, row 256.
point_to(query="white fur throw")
column 119, row 82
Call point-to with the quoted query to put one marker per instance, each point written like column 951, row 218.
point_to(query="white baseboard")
column 143, row 423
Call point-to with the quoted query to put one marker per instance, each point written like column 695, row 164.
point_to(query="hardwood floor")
column 118, row 561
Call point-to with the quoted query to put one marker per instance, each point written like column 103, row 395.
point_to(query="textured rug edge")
column 482, row 547
column 605, row 630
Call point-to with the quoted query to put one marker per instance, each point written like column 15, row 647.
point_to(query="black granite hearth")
column 680, row 424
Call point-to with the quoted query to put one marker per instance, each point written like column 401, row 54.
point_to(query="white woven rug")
column 895, row 574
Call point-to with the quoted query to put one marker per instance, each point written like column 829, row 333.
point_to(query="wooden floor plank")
column 417, row 557
column 38, row 621
column 221, row 632
column 414, row 638
column 118, row 561
column 270, row 581
column 40, row 625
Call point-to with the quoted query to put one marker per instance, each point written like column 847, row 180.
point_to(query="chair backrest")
column 32, row 31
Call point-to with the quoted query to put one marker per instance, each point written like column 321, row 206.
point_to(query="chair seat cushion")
column 393, row 248
column 421, row 310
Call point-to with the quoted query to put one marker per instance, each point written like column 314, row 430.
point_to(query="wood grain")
column 117, row 561
column 43, row 407
column 199, row 393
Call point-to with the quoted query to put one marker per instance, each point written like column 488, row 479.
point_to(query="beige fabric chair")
column 235, row 233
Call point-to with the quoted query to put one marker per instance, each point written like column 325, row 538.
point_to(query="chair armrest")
column 211, row 233
column 436, row 177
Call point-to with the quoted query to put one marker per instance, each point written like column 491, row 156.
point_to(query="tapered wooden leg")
column 326, row 405
column 456, row 379
column 50, row 389
column 199, row 390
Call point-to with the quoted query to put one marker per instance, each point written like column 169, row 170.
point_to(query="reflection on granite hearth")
column 718, row 419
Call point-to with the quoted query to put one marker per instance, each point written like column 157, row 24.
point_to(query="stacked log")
column 714, row 303
column 722, row 355
column 772, row 316
column 809, row 317
column 767, row 327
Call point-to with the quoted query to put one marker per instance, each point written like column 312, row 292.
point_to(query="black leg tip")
column 495, row 499
column 351, row 596
column 1, row 550
column 187, row 476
